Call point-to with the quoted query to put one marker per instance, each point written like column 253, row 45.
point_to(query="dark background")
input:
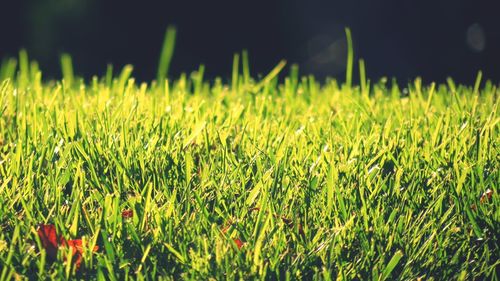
column 400, row 38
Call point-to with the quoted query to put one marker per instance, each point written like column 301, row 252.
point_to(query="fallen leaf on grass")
column 486, row 195
column 77, row 250
column 127, row 213
column 238, row 242
column 473, row 207
column 51, row 242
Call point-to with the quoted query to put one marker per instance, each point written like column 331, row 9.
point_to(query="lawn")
column 278, row 176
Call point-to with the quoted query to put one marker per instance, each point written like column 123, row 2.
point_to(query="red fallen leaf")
column 76, row 247
column 486, row 195
column 238, row 242
column 127, row 213
column 50, row 240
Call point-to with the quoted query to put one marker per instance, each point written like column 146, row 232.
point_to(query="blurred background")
column 397, row 38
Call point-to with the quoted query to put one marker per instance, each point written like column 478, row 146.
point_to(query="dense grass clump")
column 248, row 178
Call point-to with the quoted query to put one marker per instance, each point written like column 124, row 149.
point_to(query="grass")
column 275, row 178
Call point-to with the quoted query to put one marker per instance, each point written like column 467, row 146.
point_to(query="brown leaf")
column 127, row 213
column 486, row 196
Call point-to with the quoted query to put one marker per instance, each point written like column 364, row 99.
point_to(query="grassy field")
column 276, row 177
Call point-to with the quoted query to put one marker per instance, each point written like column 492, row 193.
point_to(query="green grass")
column 318, row 180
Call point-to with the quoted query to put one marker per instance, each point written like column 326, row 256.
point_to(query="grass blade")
column 167, row 52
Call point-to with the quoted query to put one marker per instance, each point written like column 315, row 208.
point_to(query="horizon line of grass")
column 29, row 70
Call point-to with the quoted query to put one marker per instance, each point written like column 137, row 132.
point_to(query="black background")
column 399, row 38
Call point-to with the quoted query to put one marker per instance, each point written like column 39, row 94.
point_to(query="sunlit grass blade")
column 67, row 69
column 276, row 70
column 350, row 59
column 167, row 52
